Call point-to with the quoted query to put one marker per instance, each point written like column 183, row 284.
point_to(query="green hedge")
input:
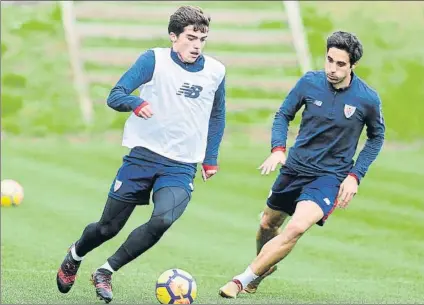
column 38, row 97
column 393, row 60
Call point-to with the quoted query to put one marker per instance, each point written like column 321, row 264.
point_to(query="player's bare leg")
column 306, row 215
column 270, row 226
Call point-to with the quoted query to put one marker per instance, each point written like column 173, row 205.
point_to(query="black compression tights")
column 169, row 205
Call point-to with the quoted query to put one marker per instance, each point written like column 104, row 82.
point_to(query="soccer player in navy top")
column 319, row 172
column 176, row 122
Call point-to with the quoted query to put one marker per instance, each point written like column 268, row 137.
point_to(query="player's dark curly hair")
column 347, row 42
column 188, row 15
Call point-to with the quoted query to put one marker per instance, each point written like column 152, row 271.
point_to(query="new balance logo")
column 190, row 91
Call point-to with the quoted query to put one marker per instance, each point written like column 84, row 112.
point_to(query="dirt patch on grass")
column 89, row 30
column 124, row 58
column 278, row 85
column 139, row 13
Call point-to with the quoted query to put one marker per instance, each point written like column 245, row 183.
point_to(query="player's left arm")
column 376, row 128
column 215, row 133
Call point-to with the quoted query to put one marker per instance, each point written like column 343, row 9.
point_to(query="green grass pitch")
column 370, row 253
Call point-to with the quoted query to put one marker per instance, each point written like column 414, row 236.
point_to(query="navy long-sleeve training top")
column 331, row 125
column 141, row 72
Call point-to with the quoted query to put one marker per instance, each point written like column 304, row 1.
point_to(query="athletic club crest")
column 349, row 111
column 117, row 185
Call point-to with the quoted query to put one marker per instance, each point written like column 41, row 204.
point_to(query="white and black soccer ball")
column 176, row 286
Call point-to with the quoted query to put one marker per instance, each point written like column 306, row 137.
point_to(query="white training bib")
column 181, row 102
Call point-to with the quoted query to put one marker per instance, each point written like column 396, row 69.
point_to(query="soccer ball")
column 176, row 286
column 12, row 193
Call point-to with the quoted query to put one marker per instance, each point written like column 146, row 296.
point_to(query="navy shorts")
column 144, row 171
column 290, row 188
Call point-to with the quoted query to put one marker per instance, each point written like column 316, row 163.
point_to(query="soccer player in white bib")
column 177, row 122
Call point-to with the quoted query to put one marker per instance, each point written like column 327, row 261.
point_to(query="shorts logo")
column 381, row 115
column 190, row 91
column 349, row 111
column 318, row 103
column 191, row 186
column 327, row 201
column 270, row 193
column 117, row 185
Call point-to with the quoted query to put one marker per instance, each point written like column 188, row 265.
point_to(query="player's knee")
column 107, row 230
column 295, row 230
column 267, row 223
column 158, row 225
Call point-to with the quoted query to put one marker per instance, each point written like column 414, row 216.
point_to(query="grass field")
column 370, row 253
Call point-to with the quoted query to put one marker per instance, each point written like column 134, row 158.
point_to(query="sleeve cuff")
column 210, row 167
column 141, row 106
column 355, row 176
column 278, row 148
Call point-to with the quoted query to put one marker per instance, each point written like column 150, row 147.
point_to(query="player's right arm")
column 141, row 72
column 292, row 103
